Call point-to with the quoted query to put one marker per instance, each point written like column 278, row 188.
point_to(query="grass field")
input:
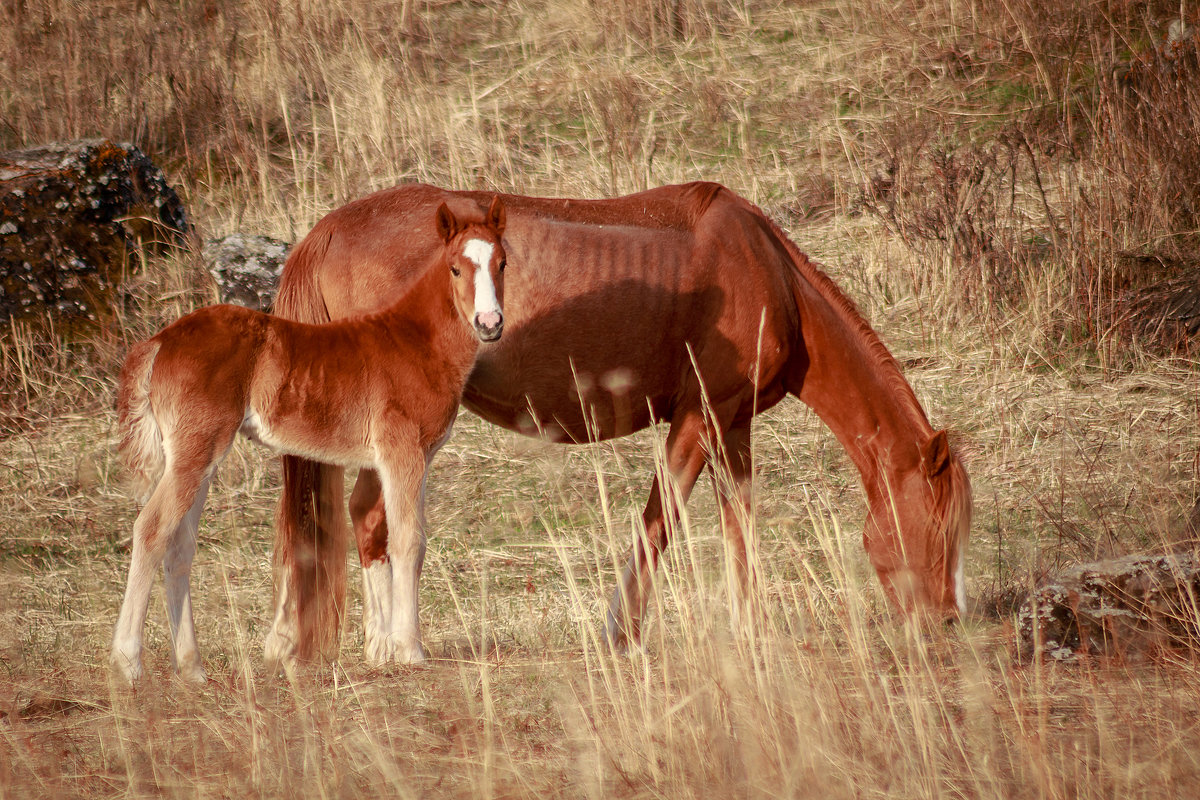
column 971, row 177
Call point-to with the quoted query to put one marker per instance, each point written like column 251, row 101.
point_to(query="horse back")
column 609, row 299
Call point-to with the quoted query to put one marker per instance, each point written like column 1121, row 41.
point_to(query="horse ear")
column 496, row 215
column 447, row 223
column 936, row 454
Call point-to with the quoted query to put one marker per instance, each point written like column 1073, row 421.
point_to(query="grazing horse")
column 683, row 304
column 378, row 391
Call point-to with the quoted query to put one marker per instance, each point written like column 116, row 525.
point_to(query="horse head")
column 917, row 527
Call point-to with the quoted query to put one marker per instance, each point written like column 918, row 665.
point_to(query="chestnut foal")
column 379, row 391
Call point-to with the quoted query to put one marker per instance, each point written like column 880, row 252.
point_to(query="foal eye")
column 455, row 271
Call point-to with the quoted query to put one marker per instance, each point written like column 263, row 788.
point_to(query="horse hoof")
column 378, row 651
column 622, row 636
column 401, row 653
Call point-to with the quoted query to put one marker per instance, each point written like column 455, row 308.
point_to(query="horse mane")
column 699, row 196
column 849, row 312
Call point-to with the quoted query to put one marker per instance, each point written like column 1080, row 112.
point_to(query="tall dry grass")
column 268, row 114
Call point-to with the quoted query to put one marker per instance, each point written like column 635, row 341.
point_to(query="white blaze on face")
column 480, row 252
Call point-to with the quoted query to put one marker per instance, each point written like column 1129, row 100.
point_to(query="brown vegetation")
column 1024, row 165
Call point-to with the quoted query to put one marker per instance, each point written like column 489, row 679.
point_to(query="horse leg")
column 310, row 563
column 731, row 481
column 177, row 567
column 685, row 461
column 369, row 520
column 158, row 521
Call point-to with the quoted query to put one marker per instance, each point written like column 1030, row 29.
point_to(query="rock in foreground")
column 1129, row 607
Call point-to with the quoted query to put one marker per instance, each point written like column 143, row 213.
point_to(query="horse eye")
column 455, row 271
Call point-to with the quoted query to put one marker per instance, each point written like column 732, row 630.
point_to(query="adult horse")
column 684, row 304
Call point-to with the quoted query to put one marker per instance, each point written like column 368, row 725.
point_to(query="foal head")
column 475, row 258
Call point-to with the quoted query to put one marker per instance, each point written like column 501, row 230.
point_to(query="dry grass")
column 268, row 114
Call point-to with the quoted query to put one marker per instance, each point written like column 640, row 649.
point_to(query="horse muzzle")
column 489, row 325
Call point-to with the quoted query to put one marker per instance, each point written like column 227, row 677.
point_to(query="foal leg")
column 177, row 567
column 392, row 565
column 685, row 461
column 403, row 485
column 173, row 497
column 368, row 517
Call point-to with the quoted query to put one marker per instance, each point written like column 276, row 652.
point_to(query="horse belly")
column 539, row 382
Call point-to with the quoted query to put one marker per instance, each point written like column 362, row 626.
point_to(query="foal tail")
column 310, row 529
column 141, row 443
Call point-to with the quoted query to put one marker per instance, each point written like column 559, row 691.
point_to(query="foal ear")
column 496, row 215
column 935, row 455
column 447, row 223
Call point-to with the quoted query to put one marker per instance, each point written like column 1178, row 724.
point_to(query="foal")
column 379, row 391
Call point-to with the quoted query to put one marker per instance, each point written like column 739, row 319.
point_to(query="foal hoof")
column 622, row 636
column 411, row 655
column 194, row 676
column 278, row 650
column 388, row 649
column 124, row 668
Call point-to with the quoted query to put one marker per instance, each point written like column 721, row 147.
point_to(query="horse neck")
column 855, row 386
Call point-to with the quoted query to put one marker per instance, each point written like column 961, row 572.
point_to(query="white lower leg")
column 406, row 574
column 279, row 646
column 185, row 653
column 126, row 655
column 377, row 611
column 152, row 529
column 629, row 601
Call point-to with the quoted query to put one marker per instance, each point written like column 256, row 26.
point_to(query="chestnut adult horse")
column 683, row 304
column 379, row 391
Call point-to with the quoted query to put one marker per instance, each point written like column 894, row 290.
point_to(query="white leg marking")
column 177, row 566
column 377, row 611
column 406, row 553
column 280, row 642
column 156, row 525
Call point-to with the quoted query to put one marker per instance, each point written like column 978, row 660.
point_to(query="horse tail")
column 310, row 532
column 299, row 296
column 141, row 444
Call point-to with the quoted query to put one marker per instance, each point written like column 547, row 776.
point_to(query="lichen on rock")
column 1127, row 607
column 246, row 268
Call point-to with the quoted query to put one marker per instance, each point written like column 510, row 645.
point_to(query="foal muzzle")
column 489, row 325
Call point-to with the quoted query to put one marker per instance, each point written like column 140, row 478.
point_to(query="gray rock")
column 246, row 268
column 73, row 220
column 1130, row 607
